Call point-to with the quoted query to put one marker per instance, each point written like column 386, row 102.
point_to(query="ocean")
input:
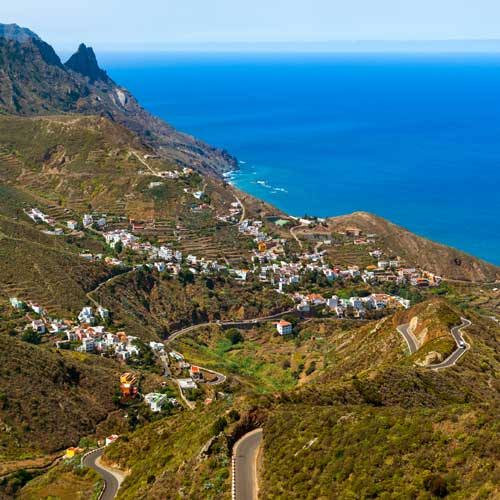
column 412, row 138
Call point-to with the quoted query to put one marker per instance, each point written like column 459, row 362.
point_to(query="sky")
column 158, row 24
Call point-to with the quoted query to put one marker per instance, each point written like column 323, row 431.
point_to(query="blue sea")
column 413, row 138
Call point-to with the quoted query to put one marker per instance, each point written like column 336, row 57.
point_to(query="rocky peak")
column 17, row 33
column 84, row 62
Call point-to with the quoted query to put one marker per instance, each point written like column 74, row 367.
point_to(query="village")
column 272, row 264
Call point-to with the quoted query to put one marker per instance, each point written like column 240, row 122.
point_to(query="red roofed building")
column 284, row 327
column 195, row 373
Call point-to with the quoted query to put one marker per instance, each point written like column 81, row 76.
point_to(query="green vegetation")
column 253, row 361
column 67, row 481
column 346, row 412
column 50, row 399
column 148, row 306
column 176, row 455
column 356, row 452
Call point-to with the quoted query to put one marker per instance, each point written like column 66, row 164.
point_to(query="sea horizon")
column 398, row 135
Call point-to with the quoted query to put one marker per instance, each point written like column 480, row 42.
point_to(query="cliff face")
column 33, row 81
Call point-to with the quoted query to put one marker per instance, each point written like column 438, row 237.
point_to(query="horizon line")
column 452, row 46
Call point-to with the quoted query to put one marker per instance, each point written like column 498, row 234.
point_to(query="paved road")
column 456, row 332
column 245, row 483
column 410, row 339
column 188, row 329
column 112, row 480
column 220, row 378
column 104, row 283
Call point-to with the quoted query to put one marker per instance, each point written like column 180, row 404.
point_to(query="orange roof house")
column 284, row 327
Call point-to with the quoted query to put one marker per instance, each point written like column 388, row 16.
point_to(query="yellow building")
column 262, row 247
column 71, row 452
column 128, row 378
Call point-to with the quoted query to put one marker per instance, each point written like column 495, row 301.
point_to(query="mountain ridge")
column 34, row 81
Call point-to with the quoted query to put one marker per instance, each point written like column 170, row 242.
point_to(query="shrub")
column 436, row 485
column 311, row 368
column 31, row 336
column 234, row 336
column 233, row 415
column 219, row 425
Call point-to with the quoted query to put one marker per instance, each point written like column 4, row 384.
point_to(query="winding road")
column 456, row 332
column 188, row 329
column 245, row 454
column 112, row 479
column 411, row 341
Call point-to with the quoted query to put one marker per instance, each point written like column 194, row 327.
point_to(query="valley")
column 153, row 315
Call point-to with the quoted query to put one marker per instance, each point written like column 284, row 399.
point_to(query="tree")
column 186, row 276
column 118, row 247
column 234, row 336
column 436, row 485
column 31, row 336
column 219, row 425
column 233, row 415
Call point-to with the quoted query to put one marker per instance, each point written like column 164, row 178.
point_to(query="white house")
column 16, row 303
column 88, row 345
column 72, row 224
column 333, row 302
column 86, row 316
column 87, row 220
column 303, row 307
column 36, row 308
column 103, row 312
column 356, row 303
column 111, row 439
column 240, row 274
column 284, row 327
column 165, row 253
column 186, row 383
column 38, row 326
column 157, row 346
column 156, row 401
column 160, row 266
column 123, row 354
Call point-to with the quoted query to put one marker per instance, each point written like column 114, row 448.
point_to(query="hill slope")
column 49, row 399
column 440, row 259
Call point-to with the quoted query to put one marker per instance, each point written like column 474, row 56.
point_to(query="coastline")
column 414, row 148
column 262, row 190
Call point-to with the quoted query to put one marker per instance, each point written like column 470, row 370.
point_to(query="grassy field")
column 261, row 362
column 67, row 481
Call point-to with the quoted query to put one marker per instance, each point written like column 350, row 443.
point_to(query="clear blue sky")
column 142, row 24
